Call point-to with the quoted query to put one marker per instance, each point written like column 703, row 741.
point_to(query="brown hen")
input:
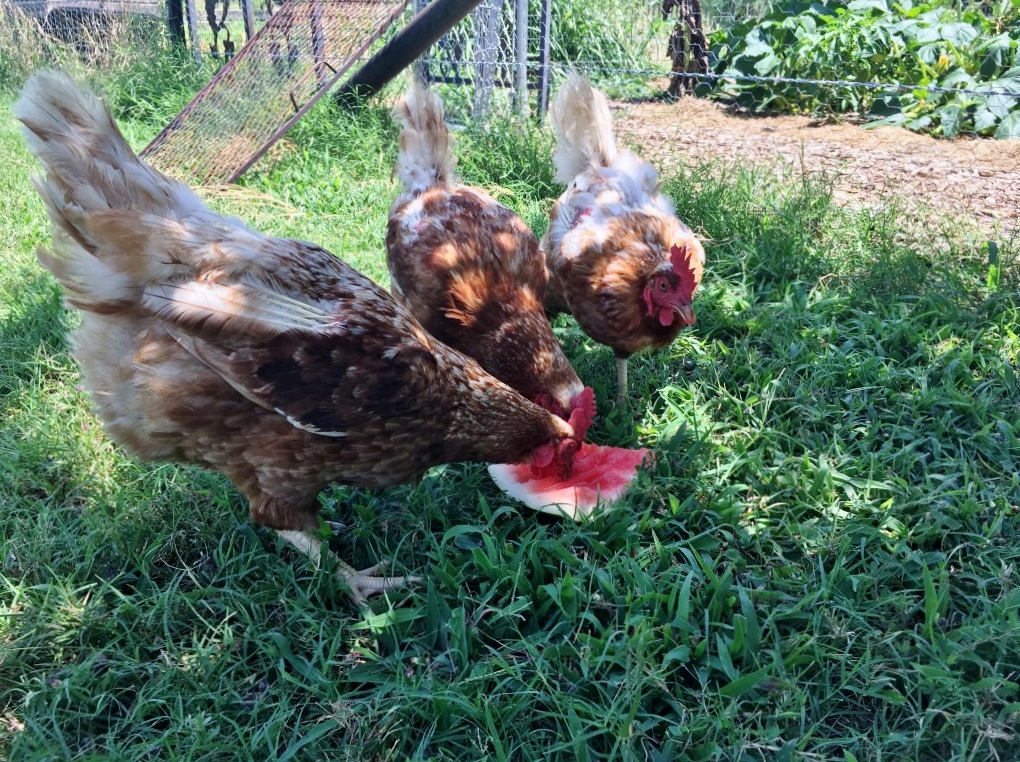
column 268, row 360
column 619, row 259
column 469, row 268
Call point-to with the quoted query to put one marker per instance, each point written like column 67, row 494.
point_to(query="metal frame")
column 326, row 84
column 326, row 74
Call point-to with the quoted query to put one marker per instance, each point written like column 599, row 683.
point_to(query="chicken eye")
column 662, row 285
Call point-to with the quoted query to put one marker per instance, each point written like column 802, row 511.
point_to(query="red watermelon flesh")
column 595, row 475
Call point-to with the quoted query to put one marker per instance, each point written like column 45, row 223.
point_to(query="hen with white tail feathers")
column 469, row 268
column 266, row 359
column 619, row 259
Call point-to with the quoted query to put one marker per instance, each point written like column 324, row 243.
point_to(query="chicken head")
column 669, row 292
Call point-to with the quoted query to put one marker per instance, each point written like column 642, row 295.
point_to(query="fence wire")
column 304, row 48
column 491, row 60
column 92, row 30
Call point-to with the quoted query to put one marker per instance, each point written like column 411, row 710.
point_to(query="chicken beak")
column 685, row 312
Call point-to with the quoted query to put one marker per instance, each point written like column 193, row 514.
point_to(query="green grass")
column 821, row 565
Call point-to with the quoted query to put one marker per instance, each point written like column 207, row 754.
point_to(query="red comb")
column 680, row 258
column 583, row 413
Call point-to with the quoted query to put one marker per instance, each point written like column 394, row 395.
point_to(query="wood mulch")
column 974, row 181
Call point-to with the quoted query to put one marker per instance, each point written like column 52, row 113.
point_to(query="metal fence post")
column 420, row 68
column 175, row 21
column 249, row 19
column 487, row 19
column 544, row 72
column 521, row 84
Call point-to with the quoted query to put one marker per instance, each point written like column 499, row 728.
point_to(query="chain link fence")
column 98, row 32
column 87, row 26
column 492, row 61
column 34, row 33
column 508, row 55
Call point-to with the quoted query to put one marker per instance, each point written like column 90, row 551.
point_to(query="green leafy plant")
column 969, row 52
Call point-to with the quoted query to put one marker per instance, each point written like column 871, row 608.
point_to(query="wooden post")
column 248, row 12
column 196, row 43
column 544, row 58
column 432, row 22
column 521, row 81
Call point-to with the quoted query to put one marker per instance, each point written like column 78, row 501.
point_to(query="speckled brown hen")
column 619, row 259
column 469, row 268
column 268, row 360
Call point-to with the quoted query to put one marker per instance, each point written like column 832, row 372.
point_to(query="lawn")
column 822, row 564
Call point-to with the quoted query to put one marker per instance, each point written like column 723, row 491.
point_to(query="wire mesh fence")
column 97, row 32
column 89, row 26
column 492, row 60
column 305, row 48
column 801, row 109
column 37, row 32
column 502, row 58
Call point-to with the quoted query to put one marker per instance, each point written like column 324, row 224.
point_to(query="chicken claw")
column 336, row 527
column 366, row 582
column 363, row 583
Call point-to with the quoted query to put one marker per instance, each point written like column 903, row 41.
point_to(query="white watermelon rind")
column 563, row 502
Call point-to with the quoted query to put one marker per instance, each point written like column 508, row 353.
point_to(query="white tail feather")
column 215, row 305
column 86, row 159
column 90, row 172
column 584, row 129
column 424, row 159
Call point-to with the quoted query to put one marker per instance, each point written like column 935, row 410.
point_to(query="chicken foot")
column 363, row 583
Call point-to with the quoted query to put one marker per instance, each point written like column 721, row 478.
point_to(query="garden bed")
column 973, row 181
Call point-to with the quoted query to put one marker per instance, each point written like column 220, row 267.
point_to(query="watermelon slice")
column 596, row 475
column 575, row 480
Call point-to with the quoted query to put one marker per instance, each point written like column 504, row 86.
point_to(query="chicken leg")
column 363, row 583
column 621, row 381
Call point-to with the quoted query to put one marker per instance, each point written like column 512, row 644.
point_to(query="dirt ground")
column 973, row 180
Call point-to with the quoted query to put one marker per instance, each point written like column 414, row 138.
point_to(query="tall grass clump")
column 146, row 77
column 610, row 42
column 24, row 47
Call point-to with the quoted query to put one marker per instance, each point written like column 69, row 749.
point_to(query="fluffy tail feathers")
column 87, row 161
column 91, row 173
column 424, row 159
column 584, row 129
